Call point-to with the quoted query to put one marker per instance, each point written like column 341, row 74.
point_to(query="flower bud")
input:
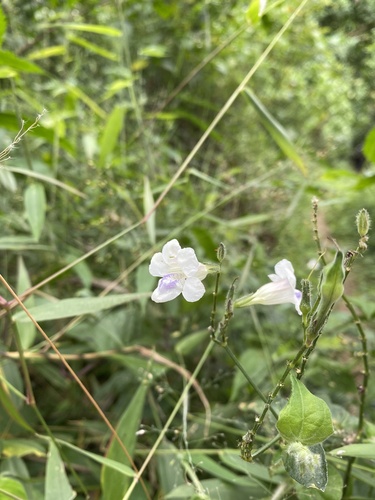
column 221, row 252
column 305, row 305
column 332, row 285
column 363, row 222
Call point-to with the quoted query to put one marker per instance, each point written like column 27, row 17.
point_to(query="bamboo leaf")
column 35, row 206
column 276, row 131
column 17, row 63
column 57, row 486
column 68, row 308
column 113, row 483
column 111, row 133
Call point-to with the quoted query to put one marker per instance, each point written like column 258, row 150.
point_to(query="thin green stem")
column 212, row 327
column 247, row 442
column 247, row 377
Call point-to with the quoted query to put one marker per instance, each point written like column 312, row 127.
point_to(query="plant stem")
column 246, row 445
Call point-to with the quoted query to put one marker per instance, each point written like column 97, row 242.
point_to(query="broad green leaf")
column 12, row 489
column 20, row 65
column 306, row 418
column 276, row 131
column 111, row 133
column 148, row 203
column 57, row 486
column 35, row 207
column 369, row 146
column 307, row 465
column 68, row 308
column 363, row 450
column 27, row 331
column 96, row 49
column 114, row 484
column 21, row 447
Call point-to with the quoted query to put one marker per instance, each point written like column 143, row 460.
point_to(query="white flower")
column 281, row 290
column 180, row 272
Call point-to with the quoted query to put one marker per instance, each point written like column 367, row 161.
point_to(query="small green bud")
column 305, row 305
column 363, row 222
column 332, row 285
column 221, row 252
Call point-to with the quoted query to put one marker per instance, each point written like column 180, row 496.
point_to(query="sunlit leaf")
column 110, row 135
column 148, row 203
column 27, row 331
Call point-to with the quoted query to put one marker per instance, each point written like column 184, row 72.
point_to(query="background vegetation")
column 126, row 90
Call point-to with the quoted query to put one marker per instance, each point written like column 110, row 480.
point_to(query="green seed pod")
column 305, row 305
column 363, row 222
column 221, row 252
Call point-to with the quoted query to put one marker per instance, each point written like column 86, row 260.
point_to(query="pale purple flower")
column 281, row 290
column 180, row 272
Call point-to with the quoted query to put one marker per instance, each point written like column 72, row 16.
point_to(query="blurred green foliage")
column 126, row 89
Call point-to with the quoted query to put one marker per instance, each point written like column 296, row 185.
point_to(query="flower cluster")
column 180, row 272
column 281, row 290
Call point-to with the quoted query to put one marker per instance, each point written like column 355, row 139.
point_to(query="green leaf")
column 46, row 52
column 277, row 132
column 96, row 49
column 8, row 405
column 18, row 243
column 12, row 489
column 170, row 470
column 117, row 466
column 20, row 65
column 307, row 465
column 365, row 450
column 90, row 28
column 27, row 331
column 109, row 138
column 35, row 206
column 8, row 180
column 68, row 308
column 148, row 203
column 57, row 486
column 369, row 146
column 333, row 490
column 114, row 484
column 306, row 418
column 3, row 25
column 21, row 447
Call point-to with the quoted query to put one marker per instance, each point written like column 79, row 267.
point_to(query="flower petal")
column 277, row 292
column 284, row 269
column 187, row 261
column 168, row 288
column 193, row 289
column 158, row 266
column 170, row 251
